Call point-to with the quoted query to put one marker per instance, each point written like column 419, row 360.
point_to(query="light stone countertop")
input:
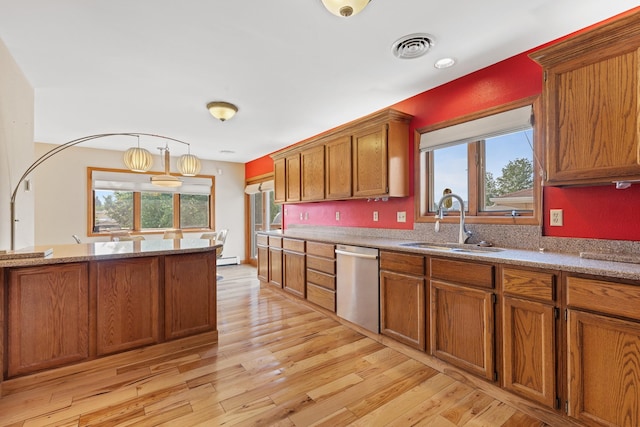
column 528, row 258
column 107, row 250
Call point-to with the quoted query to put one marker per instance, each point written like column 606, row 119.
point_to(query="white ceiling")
column 293, row 69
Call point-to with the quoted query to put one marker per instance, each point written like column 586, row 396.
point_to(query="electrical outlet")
column 301, row 217
column 337, row 216
column 306, row 216
column 402, row 217
column 555, row 217
column 375, row 215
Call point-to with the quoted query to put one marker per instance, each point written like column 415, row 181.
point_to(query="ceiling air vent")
column 412, row 46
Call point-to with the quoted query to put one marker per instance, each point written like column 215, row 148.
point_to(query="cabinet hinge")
column 544, row 76
column 495, row 376
column 566, row 314
column 556, row 312
column 494, row 298
column 566, row 406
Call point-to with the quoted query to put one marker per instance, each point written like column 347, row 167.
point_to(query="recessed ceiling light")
column 444, row 63
column 227, row 151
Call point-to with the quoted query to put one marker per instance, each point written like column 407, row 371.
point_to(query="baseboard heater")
column 231, row 260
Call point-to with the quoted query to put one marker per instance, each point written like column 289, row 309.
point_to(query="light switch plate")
column 375, row 215
column 337, row 216
column 402, row 217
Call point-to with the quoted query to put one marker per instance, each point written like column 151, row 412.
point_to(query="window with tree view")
column 127, row 201
column 488, row 162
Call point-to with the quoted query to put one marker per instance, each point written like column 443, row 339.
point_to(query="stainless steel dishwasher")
column 357, row 283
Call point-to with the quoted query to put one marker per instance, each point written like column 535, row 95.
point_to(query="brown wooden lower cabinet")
column 604, row 370
column 402, row 308
column 127, row 299
column 189, row 294
column 529, row 353
column 263, row 263
column 529, row 318
column 48, row 317
column 294, row 267
column 462, row 325
column 60, row 314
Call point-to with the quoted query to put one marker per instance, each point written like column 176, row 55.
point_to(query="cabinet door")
column 402, row 308
column 292, row 174
column 190, row 294
column 48, row 317
column 280, row 181
column 338, row 168
column 294, row 273
column 591, row 104
column 528, row 346
column 263, row 263
column 603, row 370
column 275, row 267
column 462, row 327
column 127, row 292
column 312, row 173
column 370, row 160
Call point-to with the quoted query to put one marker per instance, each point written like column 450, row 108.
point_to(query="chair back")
column 222, row 235
column 118, row 235
column 209, row 236
column 173, row 234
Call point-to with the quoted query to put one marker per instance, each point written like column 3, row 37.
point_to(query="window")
column 489, row 160
column 262, row 206
column 125, row 200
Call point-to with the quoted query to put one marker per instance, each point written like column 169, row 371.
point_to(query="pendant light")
column 345, row 8
column 189, row 165
column 165, row 180
column 138, row 159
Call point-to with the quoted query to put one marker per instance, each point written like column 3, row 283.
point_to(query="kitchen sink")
column 452, row 247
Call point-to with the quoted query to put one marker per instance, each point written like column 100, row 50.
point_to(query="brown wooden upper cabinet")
column 280, row 188
column 363, row 159
column 312, row 173
column 292, row 173
column 338, row 168
column 591, row 105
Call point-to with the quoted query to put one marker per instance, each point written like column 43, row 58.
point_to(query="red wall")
column 589, row 212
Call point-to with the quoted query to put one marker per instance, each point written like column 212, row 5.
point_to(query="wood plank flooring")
column 277, row 363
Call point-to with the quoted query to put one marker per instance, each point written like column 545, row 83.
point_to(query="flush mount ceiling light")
column 345, row 8
column 222, row 110
column 138, row 159
column 412, row 45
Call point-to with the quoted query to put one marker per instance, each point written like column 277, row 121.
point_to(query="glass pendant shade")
column 345, row 8
column 189, row 165
column 138, row 159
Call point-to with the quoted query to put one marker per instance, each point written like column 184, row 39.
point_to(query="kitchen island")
column 86, row 301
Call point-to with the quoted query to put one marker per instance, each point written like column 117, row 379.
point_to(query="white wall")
column 60, row 187
column 16, row 149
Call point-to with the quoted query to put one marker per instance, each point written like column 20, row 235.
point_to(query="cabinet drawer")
column 469, row 273
column 606, row 297
column 402, row 263
column 322, row 297
column 529, row 284
column 321, row 249
column 321, row 264
column 321, row 279
column 293, row 245
column 275, row 241
column 262, row 240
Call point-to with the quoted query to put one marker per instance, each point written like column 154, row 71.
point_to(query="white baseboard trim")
column 232, row 260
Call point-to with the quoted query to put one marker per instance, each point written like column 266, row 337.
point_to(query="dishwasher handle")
column 355, row 254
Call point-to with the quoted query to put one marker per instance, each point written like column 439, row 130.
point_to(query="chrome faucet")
column 464, row 234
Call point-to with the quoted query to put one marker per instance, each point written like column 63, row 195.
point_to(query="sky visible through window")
column 450, row 164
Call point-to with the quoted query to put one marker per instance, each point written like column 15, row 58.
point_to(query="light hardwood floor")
column 278, row 362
